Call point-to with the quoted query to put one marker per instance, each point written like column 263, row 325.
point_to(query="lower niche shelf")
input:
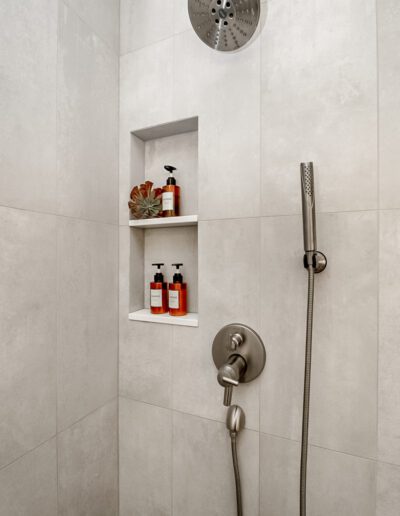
column 191, row 319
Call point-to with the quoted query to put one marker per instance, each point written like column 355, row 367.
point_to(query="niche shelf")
column 168, row 222
column 171, row 239
column 191, row 319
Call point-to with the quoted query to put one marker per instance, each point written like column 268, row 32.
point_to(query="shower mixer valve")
column 239, row 355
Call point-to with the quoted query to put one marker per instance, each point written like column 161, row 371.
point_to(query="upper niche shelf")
column 167, row 222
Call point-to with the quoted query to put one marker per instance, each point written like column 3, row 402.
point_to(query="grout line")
column 57, row 259
column 108, row 402
column 275, row 436
column 53, row 436
column 278, row 215
column 261, row 241
column 154, row 43
column 59, row 215
column 172, row 420
column 378, row 242
column 28, row 452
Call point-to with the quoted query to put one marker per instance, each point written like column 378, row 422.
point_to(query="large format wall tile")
column 87, row 168
column 28, row 487
column 146, row 79
column 319, row 103
column 344, row 370
column 388, row 491
column 224, row 90
column 102, row 16
column 88, row 317
column 340, row 484
column 343, row 397
column 27, row 331
column 88, row 465
column 279, row 476
column 389, row 328
column 389, row 102
column 28, row 53
column 145, row 365
column 283, row 298
column 145, row 437
column 144, row 22
column 202, row 469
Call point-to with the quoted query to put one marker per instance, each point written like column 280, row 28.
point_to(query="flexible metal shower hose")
column 237, row 475
column 306, row 398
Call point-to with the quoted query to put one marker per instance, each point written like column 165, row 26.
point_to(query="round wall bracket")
column 239, row 339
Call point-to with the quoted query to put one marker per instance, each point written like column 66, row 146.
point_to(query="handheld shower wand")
column 312, row 257
column 308, row 202
column 314, row 262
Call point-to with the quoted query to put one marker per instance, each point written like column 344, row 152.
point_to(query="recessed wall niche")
column 166, row 240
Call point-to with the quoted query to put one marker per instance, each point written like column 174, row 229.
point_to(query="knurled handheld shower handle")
column 308, row 203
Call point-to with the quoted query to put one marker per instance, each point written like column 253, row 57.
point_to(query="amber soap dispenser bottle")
column 158, row 292
column 171, row 195
column 177, row 294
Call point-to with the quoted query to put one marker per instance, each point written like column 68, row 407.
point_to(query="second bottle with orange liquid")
column 177, row 294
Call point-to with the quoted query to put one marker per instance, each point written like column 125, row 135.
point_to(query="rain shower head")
column 224, row 25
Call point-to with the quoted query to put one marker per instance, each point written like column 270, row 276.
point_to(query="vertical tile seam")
column 59, row 5
column 260, row 210
column 171, row 413
column 378, row 185
column 118, row 251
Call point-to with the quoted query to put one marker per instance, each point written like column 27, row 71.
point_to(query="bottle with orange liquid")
column 171, row 195
column 158, row 292
column 177, row 293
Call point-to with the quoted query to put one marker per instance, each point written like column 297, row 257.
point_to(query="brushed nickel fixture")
column 315, row 262
column 224, row 25
column 235, row 420
column 239, row 356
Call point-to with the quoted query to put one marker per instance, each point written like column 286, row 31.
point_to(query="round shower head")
column 224, row 25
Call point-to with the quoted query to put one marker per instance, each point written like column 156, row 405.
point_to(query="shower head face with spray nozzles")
column 224, row 25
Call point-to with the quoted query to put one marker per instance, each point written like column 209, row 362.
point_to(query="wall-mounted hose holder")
column 317, row 260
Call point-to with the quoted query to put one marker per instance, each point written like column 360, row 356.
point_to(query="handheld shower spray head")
column 308, row 201
column 313, row 258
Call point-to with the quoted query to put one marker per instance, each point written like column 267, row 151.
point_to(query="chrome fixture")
column 224, row 25
column 239, row 356
column 315, row 262
column 235, row 420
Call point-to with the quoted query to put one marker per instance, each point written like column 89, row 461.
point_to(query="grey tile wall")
column 305, row 89
column 87, row 461
column 59, row 272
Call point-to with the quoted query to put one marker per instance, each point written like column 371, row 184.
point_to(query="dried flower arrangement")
column 145, row 202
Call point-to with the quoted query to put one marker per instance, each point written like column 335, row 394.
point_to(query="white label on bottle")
column 174, row 299
column 156, row 298
column 167, row 201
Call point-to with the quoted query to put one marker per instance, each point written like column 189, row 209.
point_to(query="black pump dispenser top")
column 158, row 277
column 178, row 278
column 171, row 180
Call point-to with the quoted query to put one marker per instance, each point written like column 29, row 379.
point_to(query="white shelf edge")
column 191, row 319
column 167, row 222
